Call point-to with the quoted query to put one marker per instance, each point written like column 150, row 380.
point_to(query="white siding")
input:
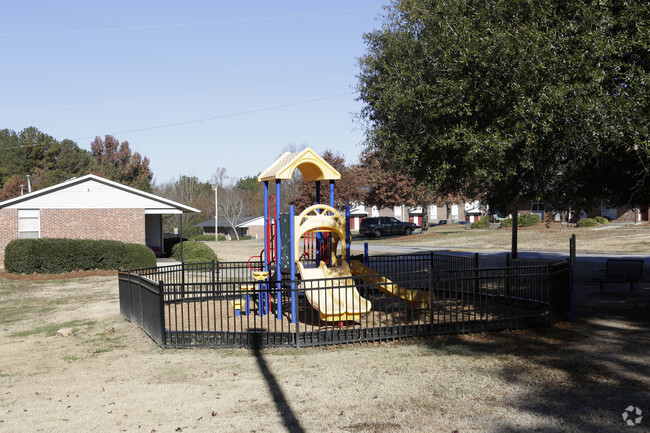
column 433, row 212
column 454, row 211
column 92, row 195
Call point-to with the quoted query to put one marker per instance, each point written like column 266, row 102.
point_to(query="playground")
column 305, row 289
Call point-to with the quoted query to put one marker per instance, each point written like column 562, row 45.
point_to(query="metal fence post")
column 182, row 280
column 214, row 288
column 431, row 299
column 476, row 279
column 572, row 262
column 162, row 313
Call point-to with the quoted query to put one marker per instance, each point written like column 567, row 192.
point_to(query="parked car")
column 380, row 226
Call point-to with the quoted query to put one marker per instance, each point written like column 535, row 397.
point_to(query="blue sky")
column 193, row 85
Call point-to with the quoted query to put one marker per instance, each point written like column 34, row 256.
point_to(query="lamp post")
column 216, row 211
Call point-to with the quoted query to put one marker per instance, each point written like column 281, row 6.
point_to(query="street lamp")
column 216, row 211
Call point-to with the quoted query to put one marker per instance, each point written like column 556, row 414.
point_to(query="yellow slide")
column 417, row 299
column 335, row 304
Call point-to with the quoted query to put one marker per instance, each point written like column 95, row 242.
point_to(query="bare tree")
column 232, row 205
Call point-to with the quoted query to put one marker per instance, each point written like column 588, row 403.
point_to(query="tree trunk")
column 515, row 223
column 425, row 218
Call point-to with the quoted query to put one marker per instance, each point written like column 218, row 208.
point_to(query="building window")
column 29, row 224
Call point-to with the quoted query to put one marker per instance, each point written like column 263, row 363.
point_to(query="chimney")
column 29, row 184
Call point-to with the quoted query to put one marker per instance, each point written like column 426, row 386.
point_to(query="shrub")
column 193, row 252
column 587, row 222
column 138, row 257
column 221, row 237
column 51, row 256
column 483, row 223
column 203, row 238
column 505, row 223
column 602, row 220
column 529, row 220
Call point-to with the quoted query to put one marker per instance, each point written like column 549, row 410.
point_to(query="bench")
column 620, row 271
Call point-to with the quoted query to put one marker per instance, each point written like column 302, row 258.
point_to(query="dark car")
column 380, row 226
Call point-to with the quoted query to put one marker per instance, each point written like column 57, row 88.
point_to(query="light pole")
column 216, row 211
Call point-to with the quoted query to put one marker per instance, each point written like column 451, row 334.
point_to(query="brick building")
column 87, row 207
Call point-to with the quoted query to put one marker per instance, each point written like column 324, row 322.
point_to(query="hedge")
column 203, row 238
column 529, row 220
column 483, row 223
column 52, row 256
column 587, row 222
column 602, row 220
column 193, row 252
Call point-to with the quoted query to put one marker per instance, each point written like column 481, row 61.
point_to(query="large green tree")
column 513, row 99
column 47, row 160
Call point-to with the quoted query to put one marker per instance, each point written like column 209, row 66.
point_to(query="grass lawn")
column 630, row 239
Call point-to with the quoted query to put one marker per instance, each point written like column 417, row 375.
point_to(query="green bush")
column 529, row 220
column 203, row 238
column 602, row 220
column 483, row 223
column 505, row 223
column 193, row 252
column 52, row 256
column 139, row 257
column 221, row 237
column 587, row 222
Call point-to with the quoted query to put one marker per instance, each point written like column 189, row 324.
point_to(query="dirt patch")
column 63, row 276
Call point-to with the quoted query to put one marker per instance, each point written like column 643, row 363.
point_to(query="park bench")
column 620, row 271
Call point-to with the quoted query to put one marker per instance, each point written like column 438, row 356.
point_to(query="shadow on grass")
column 578, row 377
column 282, row 405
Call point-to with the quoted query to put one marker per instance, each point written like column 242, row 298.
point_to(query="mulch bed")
column 63, row 276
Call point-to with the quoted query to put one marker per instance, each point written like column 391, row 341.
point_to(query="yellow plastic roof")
column 312, row 166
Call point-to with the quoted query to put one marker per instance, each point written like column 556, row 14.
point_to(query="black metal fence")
column 222, row 305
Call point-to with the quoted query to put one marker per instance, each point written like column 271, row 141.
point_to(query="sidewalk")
column 164, row 261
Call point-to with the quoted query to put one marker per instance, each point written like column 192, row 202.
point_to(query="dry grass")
column 630, row 239
column 109, row 376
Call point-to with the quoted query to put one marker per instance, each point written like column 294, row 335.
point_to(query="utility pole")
column 216, row 211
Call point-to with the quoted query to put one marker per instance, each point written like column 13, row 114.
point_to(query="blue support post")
column 292, row 259
column 331, row 205
column 319, row 236
column 278, row 250
column 366, row 261
column 267, row 226
column 348, row 238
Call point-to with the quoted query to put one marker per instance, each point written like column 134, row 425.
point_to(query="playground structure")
column 322, row 230
column 304, row 289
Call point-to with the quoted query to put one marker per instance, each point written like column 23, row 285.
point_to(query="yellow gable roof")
column 312, row 166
